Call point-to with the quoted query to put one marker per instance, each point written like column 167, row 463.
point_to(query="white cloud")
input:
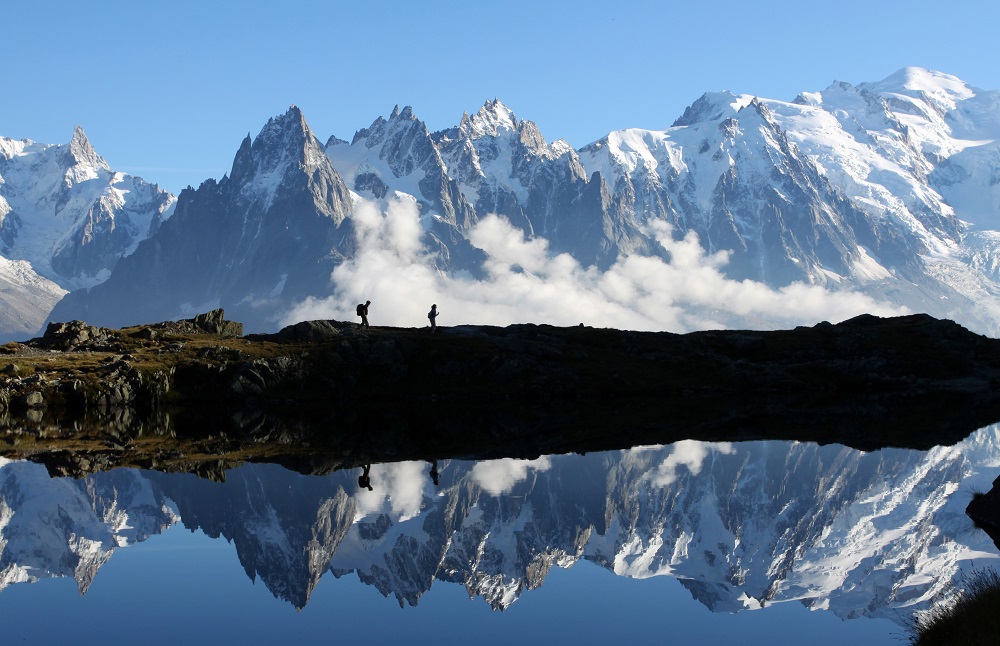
column 526, row 283
column 498, row 477
column 690, row 454
column 397, row 489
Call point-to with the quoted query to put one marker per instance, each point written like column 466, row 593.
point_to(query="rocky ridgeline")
column 78, row 336
column 329, row 388
column 38, row 377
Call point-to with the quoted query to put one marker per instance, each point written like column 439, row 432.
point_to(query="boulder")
column 72, row 335
column 315, row 330
column 215, row 322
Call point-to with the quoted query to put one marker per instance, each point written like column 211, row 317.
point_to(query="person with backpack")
column 433, row 315
column 363, row 313
column 365, row 479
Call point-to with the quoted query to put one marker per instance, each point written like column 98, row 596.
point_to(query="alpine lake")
column 753, row 542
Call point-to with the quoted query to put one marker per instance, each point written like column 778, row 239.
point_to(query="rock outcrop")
column 984, row 510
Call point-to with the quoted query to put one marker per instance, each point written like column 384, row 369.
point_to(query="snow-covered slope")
column 68, row 213
column 65, row 219
column 733, row 177
column 869, row 187
column 25, row 299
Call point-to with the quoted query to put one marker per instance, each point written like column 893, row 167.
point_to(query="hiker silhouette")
column 432, row 316
column 363, row 313
column 364, row 480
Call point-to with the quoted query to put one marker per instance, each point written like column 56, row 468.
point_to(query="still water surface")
column 750, row 543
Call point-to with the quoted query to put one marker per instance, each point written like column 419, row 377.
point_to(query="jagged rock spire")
column 82, row 152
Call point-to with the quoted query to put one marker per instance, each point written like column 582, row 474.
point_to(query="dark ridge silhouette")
column 196, row 396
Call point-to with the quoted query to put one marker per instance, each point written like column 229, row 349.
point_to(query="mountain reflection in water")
column 739, row 525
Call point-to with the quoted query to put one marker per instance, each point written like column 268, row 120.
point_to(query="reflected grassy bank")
column 970, row 616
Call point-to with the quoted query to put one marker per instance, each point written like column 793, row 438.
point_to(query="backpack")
column 361, row 309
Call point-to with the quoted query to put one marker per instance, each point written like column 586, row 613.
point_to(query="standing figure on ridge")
column 433, row 315
column 365, row 480
column 363, row 313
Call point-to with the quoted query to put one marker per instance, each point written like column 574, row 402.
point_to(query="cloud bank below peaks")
column 526, row 283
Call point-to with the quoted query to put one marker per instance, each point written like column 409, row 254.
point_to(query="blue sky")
column 167, row 90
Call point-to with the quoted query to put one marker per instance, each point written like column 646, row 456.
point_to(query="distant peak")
column 398, row 121
column 335, row 141
column 80, row 141
column 284, row 156
column 714, row 106
column 918, row 80
column 291, row 120
column 493, row 117
column 809, row 98
column 286, row 136
column 498, row 109
column 293, row 114
column 401, row 114
column 916, row 76
column 83, row 152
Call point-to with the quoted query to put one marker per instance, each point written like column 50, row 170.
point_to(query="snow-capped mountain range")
column 741, row 525
column 65, row 220
column 888, row 189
